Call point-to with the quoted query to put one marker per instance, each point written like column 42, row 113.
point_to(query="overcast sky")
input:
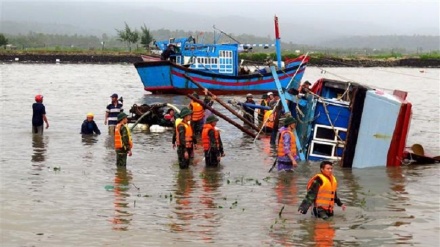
column 418, row 16
column 393, row 12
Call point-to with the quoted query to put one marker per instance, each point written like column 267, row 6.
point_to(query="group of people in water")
column 194, row 123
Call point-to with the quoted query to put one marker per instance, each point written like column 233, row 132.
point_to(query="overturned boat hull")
column 351, row 123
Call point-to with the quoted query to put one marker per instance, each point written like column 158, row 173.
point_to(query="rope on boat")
column 328, row 117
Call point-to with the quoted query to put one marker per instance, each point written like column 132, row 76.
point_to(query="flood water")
column 64, row 190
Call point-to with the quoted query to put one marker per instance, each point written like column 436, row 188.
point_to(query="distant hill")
column 98, row 18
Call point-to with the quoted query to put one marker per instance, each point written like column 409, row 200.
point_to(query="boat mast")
column 277, row 43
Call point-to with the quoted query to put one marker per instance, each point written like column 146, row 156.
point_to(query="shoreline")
column 125, row 58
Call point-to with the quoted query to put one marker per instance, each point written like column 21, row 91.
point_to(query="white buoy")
column 158, row 128
column 57, row 60
column 16, row 59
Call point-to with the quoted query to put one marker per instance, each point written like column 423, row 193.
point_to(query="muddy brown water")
column 64, row 190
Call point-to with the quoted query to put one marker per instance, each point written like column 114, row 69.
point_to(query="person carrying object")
column 248, row 111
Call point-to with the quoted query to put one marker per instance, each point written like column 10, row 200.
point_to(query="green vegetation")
column 130, row 41
column 3, row 40
column 128, row 36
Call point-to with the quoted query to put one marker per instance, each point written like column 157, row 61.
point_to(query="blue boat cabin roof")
column 212, row 58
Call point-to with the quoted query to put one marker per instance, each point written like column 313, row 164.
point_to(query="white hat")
column 269, row 93
column 249, row 95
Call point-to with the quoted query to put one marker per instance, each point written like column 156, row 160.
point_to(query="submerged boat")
column 348, row 122
column 216, row 67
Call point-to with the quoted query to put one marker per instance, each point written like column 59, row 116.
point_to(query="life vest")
column 326, row 194
column 205, row 136
column 177, row 122
column 118, row 137
column 281, row 143
column 188, row 135
column 270, row 119
column 198, row 111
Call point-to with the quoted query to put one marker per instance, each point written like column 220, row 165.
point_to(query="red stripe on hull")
column 398, row 142
column 184, row 91
column 234, row 84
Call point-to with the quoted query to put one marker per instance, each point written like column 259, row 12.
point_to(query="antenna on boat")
column 221, row 31
column 277, row 42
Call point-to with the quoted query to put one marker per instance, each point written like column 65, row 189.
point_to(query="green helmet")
column 211, row 119
column 121, row 116
column 289, row 120
column 185, row 112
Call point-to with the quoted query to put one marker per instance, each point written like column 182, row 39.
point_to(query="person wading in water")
column 321, row 192
column 123, row 142
column 39, row 115
column 212, row 143
column 185, row 139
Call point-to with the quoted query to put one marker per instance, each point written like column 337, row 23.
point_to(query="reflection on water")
column 39, row 143
column 122, row 217
column 89, row 140
column 211, row 181
column 184, row 211
column 224, row 207
column 197, row 210
column 323, row 233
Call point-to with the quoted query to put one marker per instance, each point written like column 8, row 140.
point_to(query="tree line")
column 130, row 38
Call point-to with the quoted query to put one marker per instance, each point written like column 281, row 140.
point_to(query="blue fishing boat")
column 348, row 122
column 215, row 66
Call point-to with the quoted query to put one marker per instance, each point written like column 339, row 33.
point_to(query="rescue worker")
column 111, row 114
column 212, row 142
column 185, row 139
column 248, row 111
column 322, row 193
column 123, row 141
column 287, row 146
column 198, row 112
column 89, row 126
column 261, row 112
column 269, row 119
column 39, row 115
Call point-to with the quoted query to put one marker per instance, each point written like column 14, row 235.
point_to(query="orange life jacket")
column 326, row 194
column 281, row 143
column 205, row 136
column 118, row 137
column 188, row 135
column 198, row 111
column 270, row 118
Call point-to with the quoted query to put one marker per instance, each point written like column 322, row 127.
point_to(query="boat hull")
column 164, row 77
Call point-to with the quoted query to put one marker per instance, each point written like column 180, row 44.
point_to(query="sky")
column 389, row 16
column 413, row 14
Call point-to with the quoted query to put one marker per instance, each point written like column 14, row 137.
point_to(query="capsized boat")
column 348, row 122
column 216, row 67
